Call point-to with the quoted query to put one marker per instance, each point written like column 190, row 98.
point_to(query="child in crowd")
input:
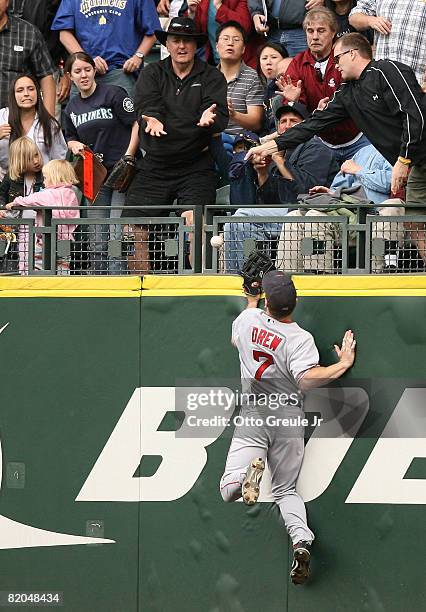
column 23, row 178
column 59, row 178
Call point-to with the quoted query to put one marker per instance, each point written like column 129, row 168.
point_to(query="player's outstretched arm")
column 320, row 375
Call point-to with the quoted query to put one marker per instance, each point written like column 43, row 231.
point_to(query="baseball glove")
column 122, row 174
column 254, row 267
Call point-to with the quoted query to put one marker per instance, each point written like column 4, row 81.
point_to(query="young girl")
column 24, row 178
column 59, row 178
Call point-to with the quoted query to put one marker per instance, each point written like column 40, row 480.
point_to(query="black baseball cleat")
column 250, row 487
column 300, row 567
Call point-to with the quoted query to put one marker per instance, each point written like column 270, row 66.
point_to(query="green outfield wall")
column 102, row 501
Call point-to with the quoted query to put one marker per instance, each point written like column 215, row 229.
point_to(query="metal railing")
column 303, row 241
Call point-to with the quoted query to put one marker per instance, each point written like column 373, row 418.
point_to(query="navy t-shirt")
column 103, row 122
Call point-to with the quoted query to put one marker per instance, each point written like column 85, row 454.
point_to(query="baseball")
column 216, row 241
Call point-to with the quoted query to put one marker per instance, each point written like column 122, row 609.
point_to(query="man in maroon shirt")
column 313, row 76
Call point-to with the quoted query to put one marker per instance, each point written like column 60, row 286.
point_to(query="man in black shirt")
column 387, row 103
column 22, row 49
column 181, row 103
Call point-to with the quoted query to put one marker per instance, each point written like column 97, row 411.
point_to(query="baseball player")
column 276, row 355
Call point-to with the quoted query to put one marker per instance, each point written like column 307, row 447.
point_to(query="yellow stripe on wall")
column 199, row 285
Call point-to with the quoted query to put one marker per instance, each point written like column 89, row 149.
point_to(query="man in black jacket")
column 181, row 103
column 386, row 102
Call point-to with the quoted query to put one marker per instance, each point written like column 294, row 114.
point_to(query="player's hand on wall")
column 346, row 353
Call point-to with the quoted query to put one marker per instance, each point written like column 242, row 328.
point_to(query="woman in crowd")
column 26, row 115
column 269, row 60
column 101, row 117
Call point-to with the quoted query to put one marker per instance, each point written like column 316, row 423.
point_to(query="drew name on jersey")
column 264, row 338
column 100, row 113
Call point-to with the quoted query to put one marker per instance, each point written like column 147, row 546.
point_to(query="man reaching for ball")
column 277, row 358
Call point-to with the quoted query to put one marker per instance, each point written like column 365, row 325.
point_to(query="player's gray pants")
column 284, row 453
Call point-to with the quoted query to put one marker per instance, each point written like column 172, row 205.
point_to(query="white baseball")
column 216, row 241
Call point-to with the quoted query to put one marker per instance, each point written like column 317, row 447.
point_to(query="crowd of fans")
column 276, row 99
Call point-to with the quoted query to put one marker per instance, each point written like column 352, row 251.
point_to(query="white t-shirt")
column 57, row 150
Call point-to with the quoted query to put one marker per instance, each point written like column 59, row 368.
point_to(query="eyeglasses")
column 227, row 39
column 336, row 58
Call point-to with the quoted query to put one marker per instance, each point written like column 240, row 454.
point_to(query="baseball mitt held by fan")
column 122, row 174
column 254, row 267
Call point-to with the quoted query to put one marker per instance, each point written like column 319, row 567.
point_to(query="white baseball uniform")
column 273, row 357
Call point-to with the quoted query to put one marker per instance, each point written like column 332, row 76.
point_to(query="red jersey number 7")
column 269, row 360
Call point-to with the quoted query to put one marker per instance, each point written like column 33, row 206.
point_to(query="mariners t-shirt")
column 273, row 355
column 103, row 122
column 112, row 29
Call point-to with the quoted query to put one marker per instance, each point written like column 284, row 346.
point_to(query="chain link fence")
column 303, row 241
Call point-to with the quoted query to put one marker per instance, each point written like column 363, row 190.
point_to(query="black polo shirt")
column 22, row 49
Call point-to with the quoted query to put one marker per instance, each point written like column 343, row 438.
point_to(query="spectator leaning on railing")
column 399, row 30
column 291, row 172
column 387, row 103
column 313, row 76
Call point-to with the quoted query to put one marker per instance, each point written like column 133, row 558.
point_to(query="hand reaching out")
column 154, row 127
column 208, row 117
column 287, row 89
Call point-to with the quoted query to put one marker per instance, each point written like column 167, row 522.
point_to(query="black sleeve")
column 4, row 191
column 334, row 112
column 404, row 95
column 215, row 92
column 70, row 132
column 148, row 96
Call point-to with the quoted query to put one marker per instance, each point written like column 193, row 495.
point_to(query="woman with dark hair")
column 103, row 118
column 26, row 115
column 269, row 57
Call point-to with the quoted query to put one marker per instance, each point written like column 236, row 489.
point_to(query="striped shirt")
column 22, row 49
column 407, row 41
column 244, row 90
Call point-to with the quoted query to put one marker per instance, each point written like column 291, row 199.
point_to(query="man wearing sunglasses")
column 313, row 76
column 385, row 100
